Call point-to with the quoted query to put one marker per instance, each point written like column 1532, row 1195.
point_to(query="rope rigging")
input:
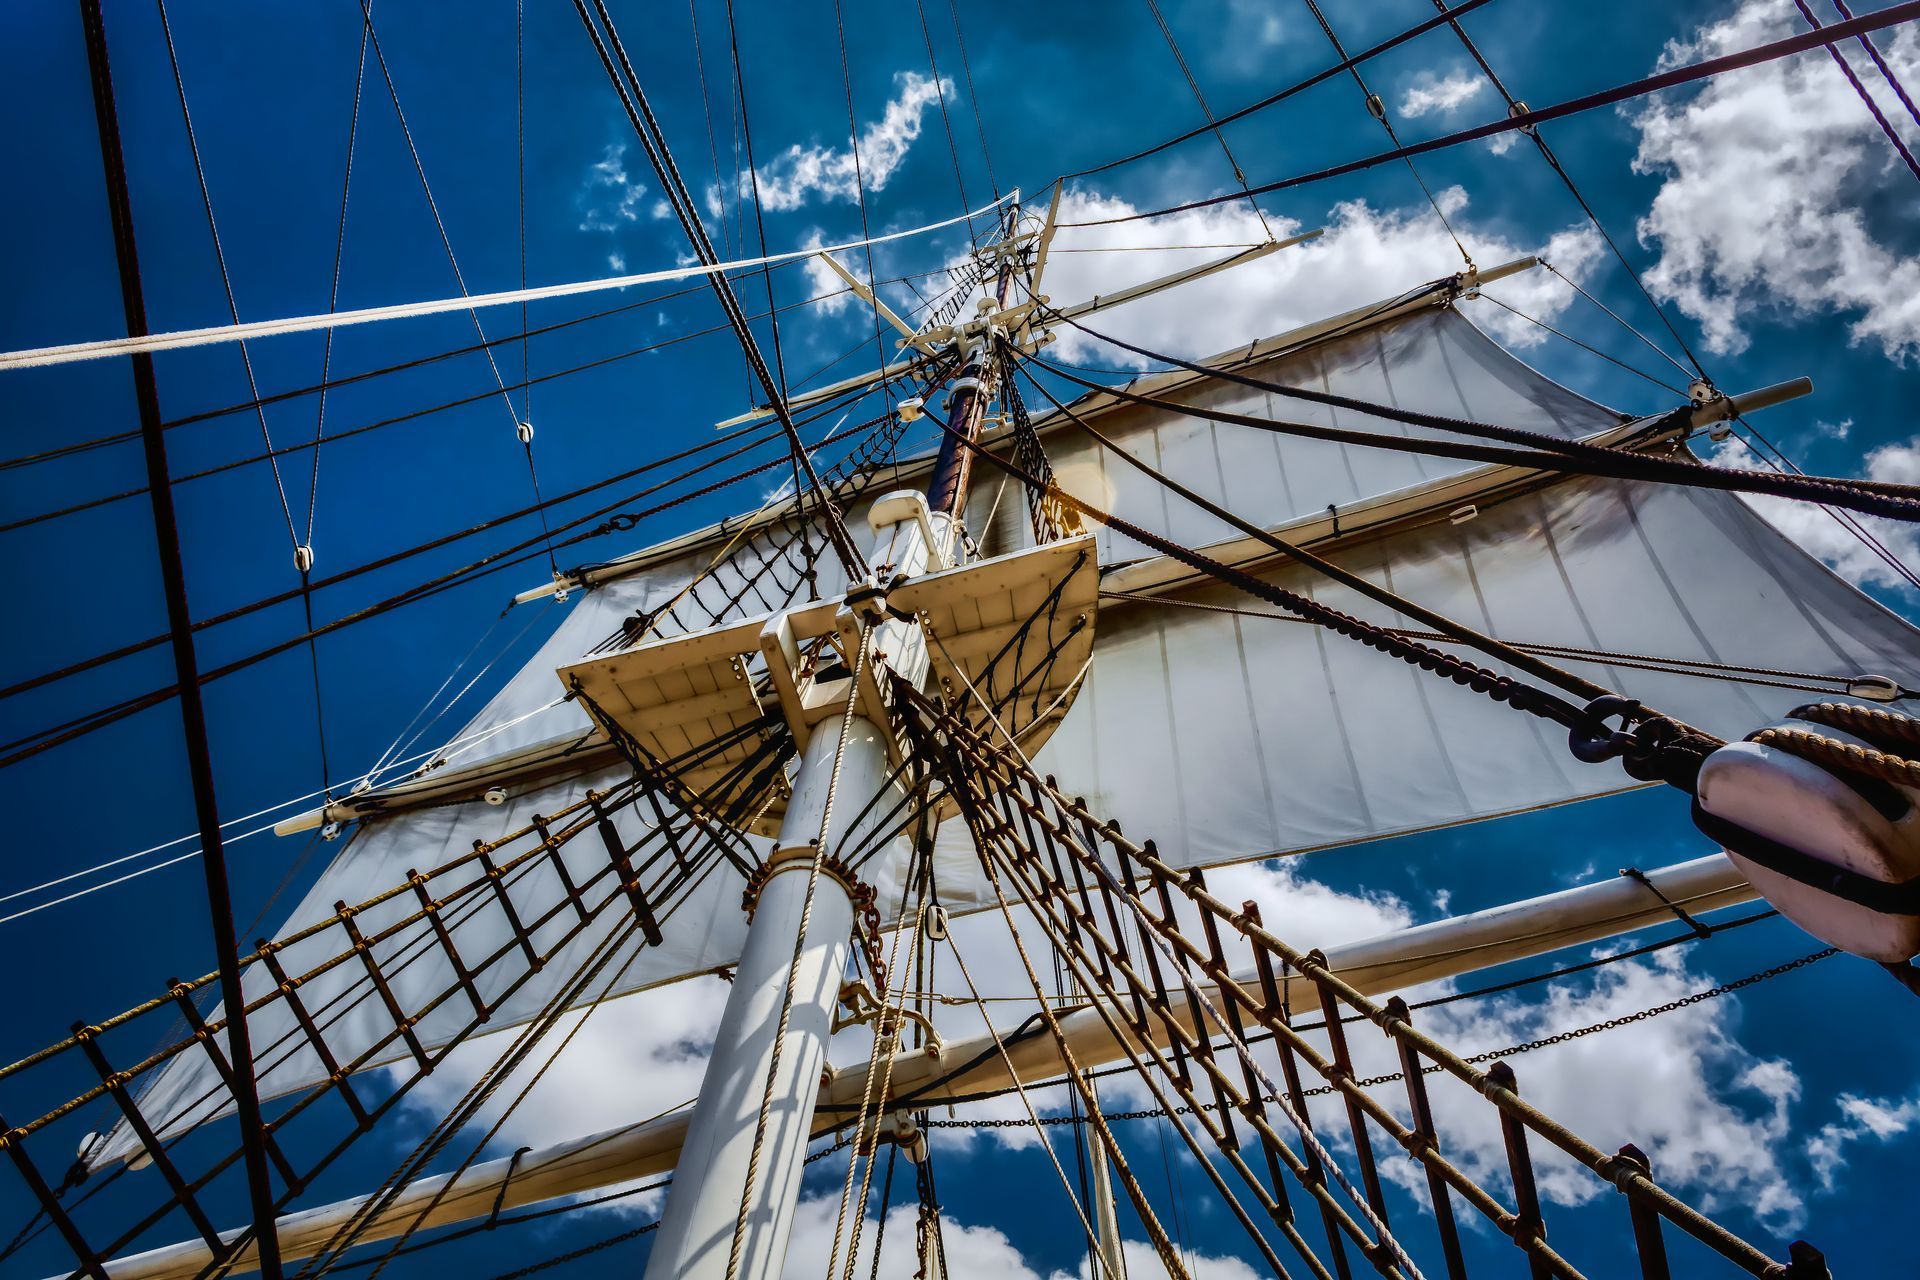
column 946, row 117
column 1515, row 106
column 1860, row 90
column 398, row 419
column 1156, row 983
column 1766, row 677
column 1377, row 108
column 1489, row 1055
column 1704, row 69
column 1543, row 451
column 46, row 738
column 1193, row 86
column 193, row 721
column 445, row 913
column 1650, row 746
column 1886, row 72
column 346, row 575
column 1339, row 68
column 634, row 100
column 1057, row 830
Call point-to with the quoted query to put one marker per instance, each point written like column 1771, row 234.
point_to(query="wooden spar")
column 1375, row 966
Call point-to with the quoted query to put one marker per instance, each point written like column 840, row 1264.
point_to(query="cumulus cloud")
column 1366, row 254
column 1766, row 173
column 609, row 198
column 1861, row 1120
column 823, row 282
column 1711, row 1116
column 661, row 1037
column 970, row 1250
column 1824, row 536
column 1430, row 92
column 799, row 174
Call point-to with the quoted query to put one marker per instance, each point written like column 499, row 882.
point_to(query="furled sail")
column 1223, row 734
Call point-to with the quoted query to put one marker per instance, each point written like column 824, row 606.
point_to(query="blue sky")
column 1784, row 228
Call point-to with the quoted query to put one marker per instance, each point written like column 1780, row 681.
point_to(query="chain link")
column 1490, row 1055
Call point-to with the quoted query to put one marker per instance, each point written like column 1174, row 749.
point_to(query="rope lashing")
column 1835, row 755
column 1885, row 729
column 1680, row 913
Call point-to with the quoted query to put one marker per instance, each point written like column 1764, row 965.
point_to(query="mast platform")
column 1018, row 625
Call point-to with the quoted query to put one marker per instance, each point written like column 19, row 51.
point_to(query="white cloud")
column 1240, row 40
column 799, row 173
column 1823, row 536
column 660, row 1037
column 1893, row 463
column 1366, row 254
column 1257, row 26
column 822, row 279
column 1430, row 92
column 608, row 198
column 1861, row 1120
column 1765, row 175
column 1711, row 1116
column 1306, row 913
column 970, row 1250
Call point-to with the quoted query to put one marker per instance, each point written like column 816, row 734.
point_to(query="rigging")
column 1704, row 69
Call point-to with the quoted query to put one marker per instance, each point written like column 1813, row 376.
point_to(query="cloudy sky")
column 1765, row 210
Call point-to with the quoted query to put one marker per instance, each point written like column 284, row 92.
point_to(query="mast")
column 972, row 391
column 730, row 1210
column 193, row 716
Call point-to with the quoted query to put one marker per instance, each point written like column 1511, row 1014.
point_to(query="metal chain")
column 1527, row 1046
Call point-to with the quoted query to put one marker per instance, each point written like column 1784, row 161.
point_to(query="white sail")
column 1226, row 737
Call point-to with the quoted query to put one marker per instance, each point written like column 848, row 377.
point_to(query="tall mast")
column 972, row 391
column 730, row 1210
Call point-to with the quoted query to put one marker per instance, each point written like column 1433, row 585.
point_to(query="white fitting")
column 1796, row 803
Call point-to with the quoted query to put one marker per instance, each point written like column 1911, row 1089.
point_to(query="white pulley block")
column 1848, row 841
column 303, row 558
column 525, row 431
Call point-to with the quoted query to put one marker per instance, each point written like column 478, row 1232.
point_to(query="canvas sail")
column 1224, row 736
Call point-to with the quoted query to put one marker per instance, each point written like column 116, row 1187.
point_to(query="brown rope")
column 1828, row 752
column 1868, row 722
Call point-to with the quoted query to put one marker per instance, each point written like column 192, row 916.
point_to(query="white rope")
column 131, row 875
column 468, row 742
column 104, row 348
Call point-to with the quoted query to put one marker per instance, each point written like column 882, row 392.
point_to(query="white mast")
column 730, row 1210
